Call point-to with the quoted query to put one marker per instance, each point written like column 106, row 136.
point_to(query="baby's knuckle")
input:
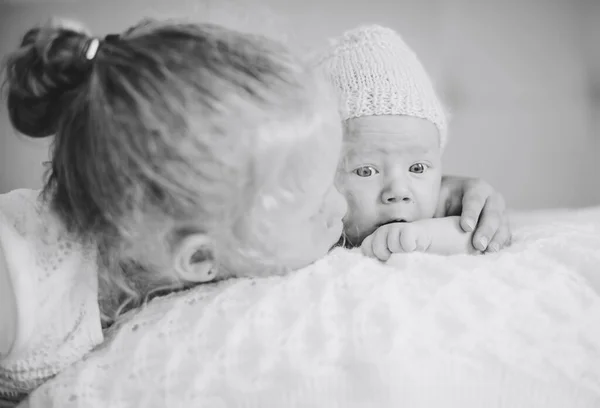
column 482, row 185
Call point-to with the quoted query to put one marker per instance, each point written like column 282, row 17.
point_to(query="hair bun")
column 33, row 117
column 42, row 75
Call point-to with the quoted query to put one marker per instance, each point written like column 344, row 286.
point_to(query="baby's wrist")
column 447, row 236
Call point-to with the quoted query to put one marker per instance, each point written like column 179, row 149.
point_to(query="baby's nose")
column 396, row 194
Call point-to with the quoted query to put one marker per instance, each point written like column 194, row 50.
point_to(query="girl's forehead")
column 309, row 159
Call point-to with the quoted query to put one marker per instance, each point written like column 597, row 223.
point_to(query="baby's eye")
column 418, row 168
column 366, row 171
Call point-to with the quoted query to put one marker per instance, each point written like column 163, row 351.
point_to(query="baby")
column 395, row 133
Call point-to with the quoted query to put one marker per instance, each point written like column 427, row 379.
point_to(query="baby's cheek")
column 431, row 200
column 351, row 196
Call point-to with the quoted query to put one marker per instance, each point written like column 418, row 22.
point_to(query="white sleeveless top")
column 48, row 296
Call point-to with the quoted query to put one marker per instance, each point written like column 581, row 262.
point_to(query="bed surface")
column 520, row 328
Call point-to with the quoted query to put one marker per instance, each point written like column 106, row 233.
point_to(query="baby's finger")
column 423, row 242
column 366, row 247
column 408, row 239
column 380, row 247
column 473, row 204
column 502, row 237
column 489, row 223
column 393, row 238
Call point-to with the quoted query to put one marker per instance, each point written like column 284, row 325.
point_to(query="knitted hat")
column 378, row 74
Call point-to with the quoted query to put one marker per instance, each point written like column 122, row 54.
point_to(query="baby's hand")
column 395, row 238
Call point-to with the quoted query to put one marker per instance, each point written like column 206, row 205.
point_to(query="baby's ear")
column 194, row 258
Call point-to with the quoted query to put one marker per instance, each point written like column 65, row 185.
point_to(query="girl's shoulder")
column 55, row 316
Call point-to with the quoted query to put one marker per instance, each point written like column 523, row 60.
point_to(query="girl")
column 183, row 153
column 175, row 160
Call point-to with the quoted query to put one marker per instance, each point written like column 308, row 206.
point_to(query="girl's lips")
column 333, row 223
column 337, row 226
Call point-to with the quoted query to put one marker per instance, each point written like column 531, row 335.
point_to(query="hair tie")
column 91, row 49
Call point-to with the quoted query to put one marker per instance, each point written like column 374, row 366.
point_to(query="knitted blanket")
column 520, row 328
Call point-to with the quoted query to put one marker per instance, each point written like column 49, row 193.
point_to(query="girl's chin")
column 336, row 232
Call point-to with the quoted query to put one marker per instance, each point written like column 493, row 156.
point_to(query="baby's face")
column 390, row 172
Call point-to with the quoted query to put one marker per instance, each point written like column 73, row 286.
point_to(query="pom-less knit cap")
column 376, row 73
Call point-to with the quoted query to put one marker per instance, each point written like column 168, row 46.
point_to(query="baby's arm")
column 442, row 236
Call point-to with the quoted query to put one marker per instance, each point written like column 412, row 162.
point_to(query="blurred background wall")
column 520, row 77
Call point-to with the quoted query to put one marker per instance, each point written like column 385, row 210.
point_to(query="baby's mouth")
column 393, row 221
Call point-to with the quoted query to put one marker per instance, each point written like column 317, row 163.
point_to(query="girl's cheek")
column 339, row 205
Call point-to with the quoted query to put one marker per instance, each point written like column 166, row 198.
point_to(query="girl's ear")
column 194, row 259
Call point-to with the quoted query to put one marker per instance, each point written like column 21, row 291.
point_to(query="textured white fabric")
column 517, row 329
column 376, row 73
column 56, row 295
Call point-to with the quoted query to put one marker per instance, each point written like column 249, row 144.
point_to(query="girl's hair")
column 170, row 129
